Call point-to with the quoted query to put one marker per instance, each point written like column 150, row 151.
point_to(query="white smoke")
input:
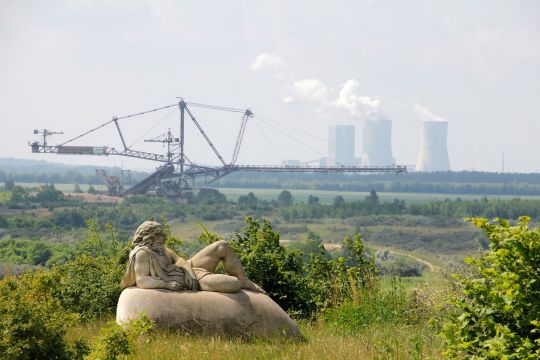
column 314, row 92
column 425, row 114
column 356, row 104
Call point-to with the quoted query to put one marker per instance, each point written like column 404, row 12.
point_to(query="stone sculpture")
column 165, row 287
column 154, row 266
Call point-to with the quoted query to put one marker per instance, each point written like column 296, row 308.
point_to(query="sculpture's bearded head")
column 150, row 234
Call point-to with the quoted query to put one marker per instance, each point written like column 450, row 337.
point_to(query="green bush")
column 278, row 271
column 497, row 310
column 89, row 286
column 119, row 340
column 32, row 323
column 334, row 281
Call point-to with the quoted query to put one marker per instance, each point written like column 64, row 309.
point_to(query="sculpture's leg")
column 209, row 258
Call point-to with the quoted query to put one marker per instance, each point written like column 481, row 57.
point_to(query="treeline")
column 210, row 204
column 441, row 182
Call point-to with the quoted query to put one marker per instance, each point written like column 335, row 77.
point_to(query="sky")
column 300, row 66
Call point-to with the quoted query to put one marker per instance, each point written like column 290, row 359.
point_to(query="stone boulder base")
column 242, row 314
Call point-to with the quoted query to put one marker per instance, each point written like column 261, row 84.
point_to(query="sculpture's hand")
column 173, row 285
column 191, row 282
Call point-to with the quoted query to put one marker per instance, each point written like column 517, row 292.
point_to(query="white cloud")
column 268, row 62
column 425, row 114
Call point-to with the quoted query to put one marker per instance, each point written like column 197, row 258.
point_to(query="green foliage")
column 285, row 198
column 33, row 324
column 91, row 189
column 48, row 193
column 334, row 281
column 19, row 197
column 497, row 310
column 23, row 251
column 89, row 286
column 9, row 184
column 77, row 188
column 374, row 305
column 119, row 340
column 274, row 268
column 301, row 288
column 210, row 196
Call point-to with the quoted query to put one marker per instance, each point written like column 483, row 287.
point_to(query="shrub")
column 278, row 271
column 119, row 340
column 497, row 311
column 32, row 323
column 334, row 281
column 89, row 286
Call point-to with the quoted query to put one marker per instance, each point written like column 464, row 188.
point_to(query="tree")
column 497, row 310
column 91, row 189
column 338, row 200
column 248, row 201
column 372, row 198
column 211, row 196
column 18, row 194
column 49, row 193
column 77, row 188
column 285, row 198
column 9, row 184
column 313, row 199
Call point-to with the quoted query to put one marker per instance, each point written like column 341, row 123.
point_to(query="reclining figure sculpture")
column 154, row 266
column 165, row 287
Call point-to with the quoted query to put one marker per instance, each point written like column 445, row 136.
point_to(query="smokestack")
column 341, row 145
column 376, row 144
column 433, row 154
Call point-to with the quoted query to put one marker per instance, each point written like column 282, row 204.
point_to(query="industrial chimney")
column 376, row 144
column 341, row 145
column 433, row 154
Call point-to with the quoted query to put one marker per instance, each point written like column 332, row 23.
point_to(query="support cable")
column 269, row 142
column 215, row 107
column 110, row 121
column 152, row 128
column 292, row 137
column 146, row 112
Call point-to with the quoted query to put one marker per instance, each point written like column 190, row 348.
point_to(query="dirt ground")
column 95, row 198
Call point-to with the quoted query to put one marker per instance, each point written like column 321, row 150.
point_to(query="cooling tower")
column 433, row 154
column 341, row 145
column 376, row 144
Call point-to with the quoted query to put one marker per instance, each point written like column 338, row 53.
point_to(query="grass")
column 322, row 342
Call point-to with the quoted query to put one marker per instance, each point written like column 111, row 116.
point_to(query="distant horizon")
column 71, row 164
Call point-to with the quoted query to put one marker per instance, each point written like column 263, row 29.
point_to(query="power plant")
column 341, row 145
column 433, row 155
column 376, row 141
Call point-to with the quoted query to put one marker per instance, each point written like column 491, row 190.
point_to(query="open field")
column 328, row 196
column 325, row 196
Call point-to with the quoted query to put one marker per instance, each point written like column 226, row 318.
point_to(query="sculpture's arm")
column 177, row 260
column 143, row 278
